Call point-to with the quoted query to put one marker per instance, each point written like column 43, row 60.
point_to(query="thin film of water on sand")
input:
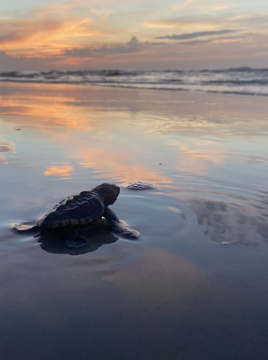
column 211, row 156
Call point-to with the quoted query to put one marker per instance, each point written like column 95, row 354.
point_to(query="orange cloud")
column 183, row 6
column 43, row 35
column 48, row 31
column 47, row 37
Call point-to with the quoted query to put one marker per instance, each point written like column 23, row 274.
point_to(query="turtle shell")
column 79, row 209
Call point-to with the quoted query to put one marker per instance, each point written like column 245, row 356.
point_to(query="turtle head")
column 108, row 193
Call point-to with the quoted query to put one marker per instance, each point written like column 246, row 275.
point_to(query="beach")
column 194, row 286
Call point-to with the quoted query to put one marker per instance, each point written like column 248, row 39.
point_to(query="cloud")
column 132, row 46
column 195, row 35
column 75, row 56
column 9, row 63
column 63, row 34
column 81, row 35
column 194, row 42
column 203, row 5
column 211, row 22
column 182, row 6
column 46, row 31
column 213, row 40
column 17, row 30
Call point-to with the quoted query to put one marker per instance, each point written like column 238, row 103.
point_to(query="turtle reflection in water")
column 91, row 239
column 82, row 210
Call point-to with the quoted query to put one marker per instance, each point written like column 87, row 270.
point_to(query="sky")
column 133, row 34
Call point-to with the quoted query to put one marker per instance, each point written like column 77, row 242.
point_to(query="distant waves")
column 244, row 81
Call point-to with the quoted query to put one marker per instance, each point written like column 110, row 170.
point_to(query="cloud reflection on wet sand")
column 197, row 155
column 175, row 282
column 59, row 117
column 5, row 147
column 3, row 159
column 64, row 170
column 120, row 135
column 231, row 223
column 50, row 114
column 124, row 167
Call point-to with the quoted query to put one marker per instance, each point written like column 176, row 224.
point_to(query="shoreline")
column 239, row 93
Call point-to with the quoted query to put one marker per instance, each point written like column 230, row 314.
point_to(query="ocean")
column 244, row 80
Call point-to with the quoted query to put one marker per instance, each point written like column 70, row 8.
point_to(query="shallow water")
column 194, row 286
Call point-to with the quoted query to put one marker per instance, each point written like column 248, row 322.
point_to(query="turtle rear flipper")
column 25, row 229
column 120, row 227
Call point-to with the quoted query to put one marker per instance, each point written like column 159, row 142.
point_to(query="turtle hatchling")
column 81, row 210
column 138, row 185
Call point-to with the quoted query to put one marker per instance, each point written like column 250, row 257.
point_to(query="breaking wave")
column 244, row 81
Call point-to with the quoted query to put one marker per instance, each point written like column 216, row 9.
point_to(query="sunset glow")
column 133, row 34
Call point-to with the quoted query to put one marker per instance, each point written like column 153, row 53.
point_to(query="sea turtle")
column 81, row 210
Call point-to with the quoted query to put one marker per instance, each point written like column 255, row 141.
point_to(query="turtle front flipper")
column 120, row 227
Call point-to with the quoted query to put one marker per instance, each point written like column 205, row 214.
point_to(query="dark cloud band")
column 195, row 35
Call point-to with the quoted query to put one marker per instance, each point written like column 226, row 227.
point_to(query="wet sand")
column 194, row 286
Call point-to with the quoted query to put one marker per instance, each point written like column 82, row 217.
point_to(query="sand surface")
column 194, row 286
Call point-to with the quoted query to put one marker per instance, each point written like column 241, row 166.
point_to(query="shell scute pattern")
column 79, row 209
column 139, row 185
column 84, row 206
